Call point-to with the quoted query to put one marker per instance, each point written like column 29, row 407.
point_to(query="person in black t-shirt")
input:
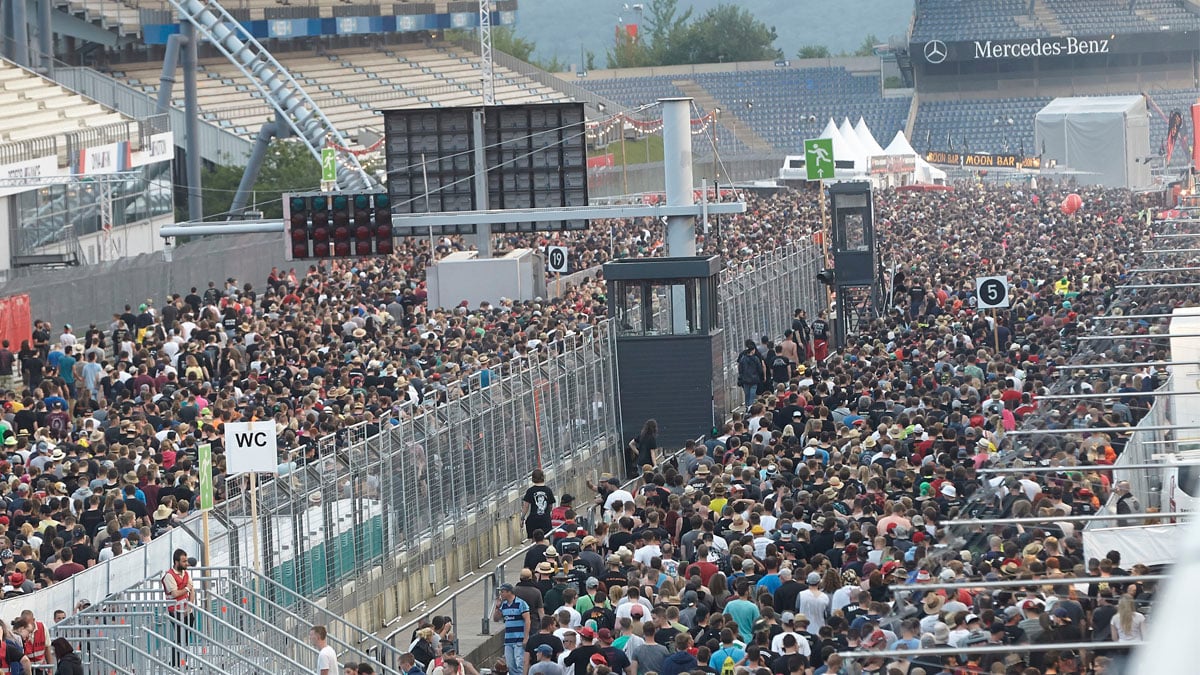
column 820, row 335
column 581, row 657
column 537, row 504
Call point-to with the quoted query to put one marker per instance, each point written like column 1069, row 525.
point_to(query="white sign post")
column 251, row 447
column 992, row 293
column 556, row 259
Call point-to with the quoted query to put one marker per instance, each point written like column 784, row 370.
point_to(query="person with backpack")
column 730, row 654
column 752, row 372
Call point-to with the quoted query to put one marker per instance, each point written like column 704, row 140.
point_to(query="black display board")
column 535, row 154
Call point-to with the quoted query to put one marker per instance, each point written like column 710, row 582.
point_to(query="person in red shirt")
column 68, row 567
column 702, row 567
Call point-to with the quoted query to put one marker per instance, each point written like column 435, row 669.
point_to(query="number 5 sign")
column 991, row 292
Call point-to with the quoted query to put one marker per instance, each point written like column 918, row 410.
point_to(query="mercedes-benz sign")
column 935, row 51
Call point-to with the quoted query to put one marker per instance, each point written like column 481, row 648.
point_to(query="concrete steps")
column 727, row 118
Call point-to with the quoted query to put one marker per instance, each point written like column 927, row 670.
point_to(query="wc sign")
column 250, row 447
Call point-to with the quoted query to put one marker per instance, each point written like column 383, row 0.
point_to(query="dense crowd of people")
column 101, row 425
column 806, row 527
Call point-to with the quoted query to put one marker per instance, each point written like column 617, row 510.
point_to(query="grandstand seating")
column 636, row 92
column 1095, row 17
column 966, row 19
column 983, row 123
column 123, row 14
column 34, row 107
column 777, row 103
column 949, row 20
column 350, row 86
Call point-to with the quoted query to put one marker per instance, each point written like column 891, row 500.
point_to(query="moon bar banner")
column 983, row 160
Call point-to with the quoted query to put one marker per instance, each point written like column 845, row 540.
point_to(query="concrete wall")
column 869, row 64
column 129, row 240
column 91, row 294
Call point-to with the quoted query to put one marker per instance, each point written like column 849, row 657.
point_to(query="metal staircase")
column 275, row 83
column 245, row 624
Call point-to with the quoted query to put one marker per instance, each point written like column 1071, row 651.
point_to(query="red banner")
column 631, row 29
column 1196, row 136
column 601, row 161
column 16, row 320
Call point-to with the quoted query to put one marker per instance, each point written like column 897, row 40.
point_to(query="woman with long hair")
column 1128, row 623
column 65, row 657
column 644, row 449
column 720, row 590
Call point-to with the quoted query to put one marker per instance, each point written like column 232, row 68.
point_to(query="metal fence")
column 377, row 505
column 1140, row 449
column 758, row 297
column 83, row 295
column 419, row 489
column 216, row 145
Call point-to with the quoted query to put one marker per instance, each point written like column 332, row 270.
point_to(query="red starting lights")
column 338, row 225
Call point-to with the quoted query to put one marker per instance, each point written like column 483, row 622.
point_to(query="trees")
column 724, row 33
column 813, row 52
column 867, row 48
column 505, row 39
column 288, row 167
column 728, row 33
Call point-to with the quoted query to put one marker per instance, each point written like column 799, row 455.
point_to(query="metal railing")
column 499, row 574
column 237, row 627
column 376, row 506
column 218, row 145
column 758, row 297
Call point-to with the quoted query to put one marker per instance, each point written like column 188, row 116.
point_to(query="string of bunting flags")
column 374, row 147
column 699, row 124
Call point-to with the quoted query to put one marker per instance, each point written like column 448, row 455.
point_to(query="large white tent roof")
column 842, row 150
column 859, row 154
column 899, row 146
column 866, row 139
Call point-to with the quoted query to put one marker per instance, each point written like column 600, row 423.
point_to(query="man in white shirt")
column 326, row 657
column 788, row 619
column 67, row 339
column 645, row 554
column 813, row 603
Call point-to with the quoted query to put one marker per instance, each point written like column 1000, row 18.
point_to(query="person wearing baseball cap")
column 580, row 658
column 515, row 614
column 813, row 603
column 545, row 665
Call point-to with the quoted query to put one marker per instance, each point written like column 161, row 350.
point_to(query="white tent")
column 843, row 151
column 860, row 155
column 867, row 139
column 925, row 172
column 899, row 146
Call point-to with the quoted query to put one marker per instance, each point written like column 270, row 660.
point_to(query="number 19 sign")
column 992, row 292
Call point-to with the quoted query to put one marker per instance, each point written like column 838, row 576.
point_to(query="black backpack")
column 749, row 369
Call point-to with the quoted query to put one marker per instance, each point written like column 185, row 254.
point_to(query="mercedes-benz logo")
column 935, row 51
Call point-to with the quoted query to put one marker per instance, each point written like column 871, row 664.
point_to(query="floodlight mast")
column 488, row 86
